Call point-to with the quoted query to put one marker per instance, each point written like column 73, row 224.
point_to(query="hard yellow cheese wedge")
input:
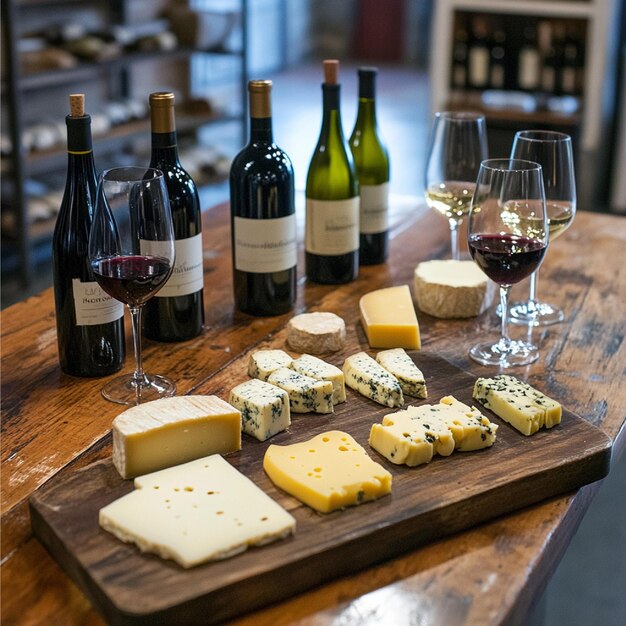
column 328, row 472
column 389, row 319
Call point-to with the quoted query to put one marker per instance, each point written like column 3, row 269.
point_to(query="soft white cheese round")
column 316, row 333
column 449, row 289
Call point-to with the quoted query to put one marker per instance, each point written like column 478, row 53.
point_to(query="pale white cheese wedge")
column 200, row 511
column 264, row 408
column 306, row 394
column 316, row 333
column 170, row 431
column 517, row 403
column 452, row 289
column 397, row 362
column 263, row 362
column 365, row 375
column 313, row 367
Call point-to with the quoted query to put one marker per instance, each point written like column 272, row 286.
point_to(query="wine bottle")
column 90, row 324
column 478, row 54
column 332, row 196
column 529, row 65
column 372, row 165
column 263, row 216
column 176, row 312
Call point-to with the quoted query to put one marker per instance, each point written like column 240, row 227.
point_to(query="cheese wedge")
column 306, row 395
column 370, row 379
column 389, row 320
column 328, row 472
column 313, row 367
column 170, row 431
column 517, row 403
column 200, row 511
column 263, row 362
column 316, row 333
column 401, row 365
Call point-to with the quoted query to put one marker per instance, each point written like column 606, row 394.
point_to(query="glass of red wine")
column 131, row 251
column 507, row 238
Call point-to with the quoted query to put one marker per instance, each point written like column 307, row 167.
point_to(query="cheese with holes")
column 452, row 289
column 264, row 408
column 263, row 362
column 389, row 319
column 370, row 379
column 517, row 403
column 170, row 431
column 306, row 394
column 316, row 333
column 200, row 511
column 328, row 472
column 316, row 368
column 397, row 362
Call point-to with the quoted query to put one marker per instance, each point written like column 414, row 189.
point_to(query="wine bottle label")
column 529, row 67
column 93, row 305
column 265, row 245
column 479, row 66
column 187, row 275
column 374, row 211
column 332, row 226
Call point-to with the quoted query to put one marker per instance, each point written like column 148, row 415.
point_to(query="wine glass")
column 553, row 151
column 457, row 147
column 131, row 251
column 507, row 238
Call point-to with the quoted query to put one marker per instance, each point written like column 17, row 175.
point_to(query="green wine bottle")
column 332, row 197
column 372, row 166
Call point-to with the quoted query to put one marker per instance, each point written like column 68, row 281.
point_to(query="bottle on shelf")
column 90, row 324
column 571, row 64
column 372, row 165
column 529, row 61
column 497, row 53
column 459, row 56
column 332, row 196
column 263, row 218
column 176, row 313
column 478, row 53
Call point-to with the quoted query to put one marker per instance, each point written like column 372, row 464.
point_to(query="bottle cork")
column 77, row 104
column 331, row 71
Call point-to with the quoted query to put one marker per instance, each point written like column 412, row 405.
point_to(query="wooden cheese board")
column 429, row 501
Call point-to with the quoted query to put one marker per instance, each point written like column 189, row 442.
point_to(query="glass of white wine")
column 458, row 145
column 553, row 151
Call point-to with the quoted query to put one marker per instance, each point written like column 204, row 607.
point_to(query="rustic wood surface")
column 53, row 424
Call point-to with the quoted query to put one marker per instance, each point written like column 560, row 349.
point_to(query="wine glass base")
column 504, row 353
column 126, row 390
column 531, row 313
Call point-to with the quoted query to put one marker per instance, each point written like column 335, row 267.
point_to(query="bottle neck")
column 366, row 115
column 81, row 171
column 164, row 148
column 261, row 129
column 331, row 120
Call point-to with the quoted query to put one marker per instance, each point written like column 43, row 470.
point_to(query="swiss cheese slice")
column 316, row 333
column 389, row 319
column 328, row 472
column 200, row 511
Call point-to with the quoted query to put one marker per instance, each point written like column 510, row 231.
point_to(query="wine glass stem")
column 135, row 316
column 504, row 319
column 454, row 239
column 533, row 286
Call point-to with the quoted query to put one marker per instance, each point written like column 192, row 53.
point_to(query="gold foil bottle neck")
column 260, row 103
column 162, row 112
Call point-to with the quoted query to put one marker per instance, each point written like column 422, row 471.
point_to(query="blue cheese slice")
column 517, row 403
column 397, row 362
column 365, row 375
column 306, row 394
column 263, row 362
column 316, row 368
column 264, row 408
column 201, row 511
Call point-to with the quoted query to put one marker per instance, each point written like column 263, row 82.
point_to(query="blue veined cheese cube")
column 306, row 395
column 320, row 370
column 263, row 362
column 397, row 362
column 373, row 381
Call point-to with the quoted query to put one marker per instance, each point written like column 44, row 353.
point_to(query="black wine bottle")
column 372, row 165
column 263, row 219
column 90, row 324
column 332, row 197
column 176, row 312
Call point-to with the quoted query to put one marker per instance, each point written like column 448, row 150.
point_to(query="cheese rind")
column 263, row 362
column 389, row 319
column 158, row 434
column 306, row 395
column 313, row 367
column 316, row 333
column 264, row 408
column 517, row 403
column 201, row 511
column 397, row 362
column 328, row 472
column 365, row 375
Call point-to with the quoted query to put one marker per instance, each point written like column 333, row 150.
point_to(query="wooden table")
column 491, row 574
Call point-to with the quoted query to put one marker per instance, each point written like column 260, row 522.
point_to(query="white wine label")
column 265, row 245
column 332, row 226
column 374, row 213
column 93, row 305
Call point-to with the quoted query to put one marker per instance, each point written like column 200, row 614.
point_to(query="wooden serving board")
column 443, row 497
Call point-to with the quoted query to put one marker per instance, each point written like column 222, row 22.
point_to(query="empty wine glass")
column 553, row 151
column 131, row 251
column 457, row 147
column 507, row 238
